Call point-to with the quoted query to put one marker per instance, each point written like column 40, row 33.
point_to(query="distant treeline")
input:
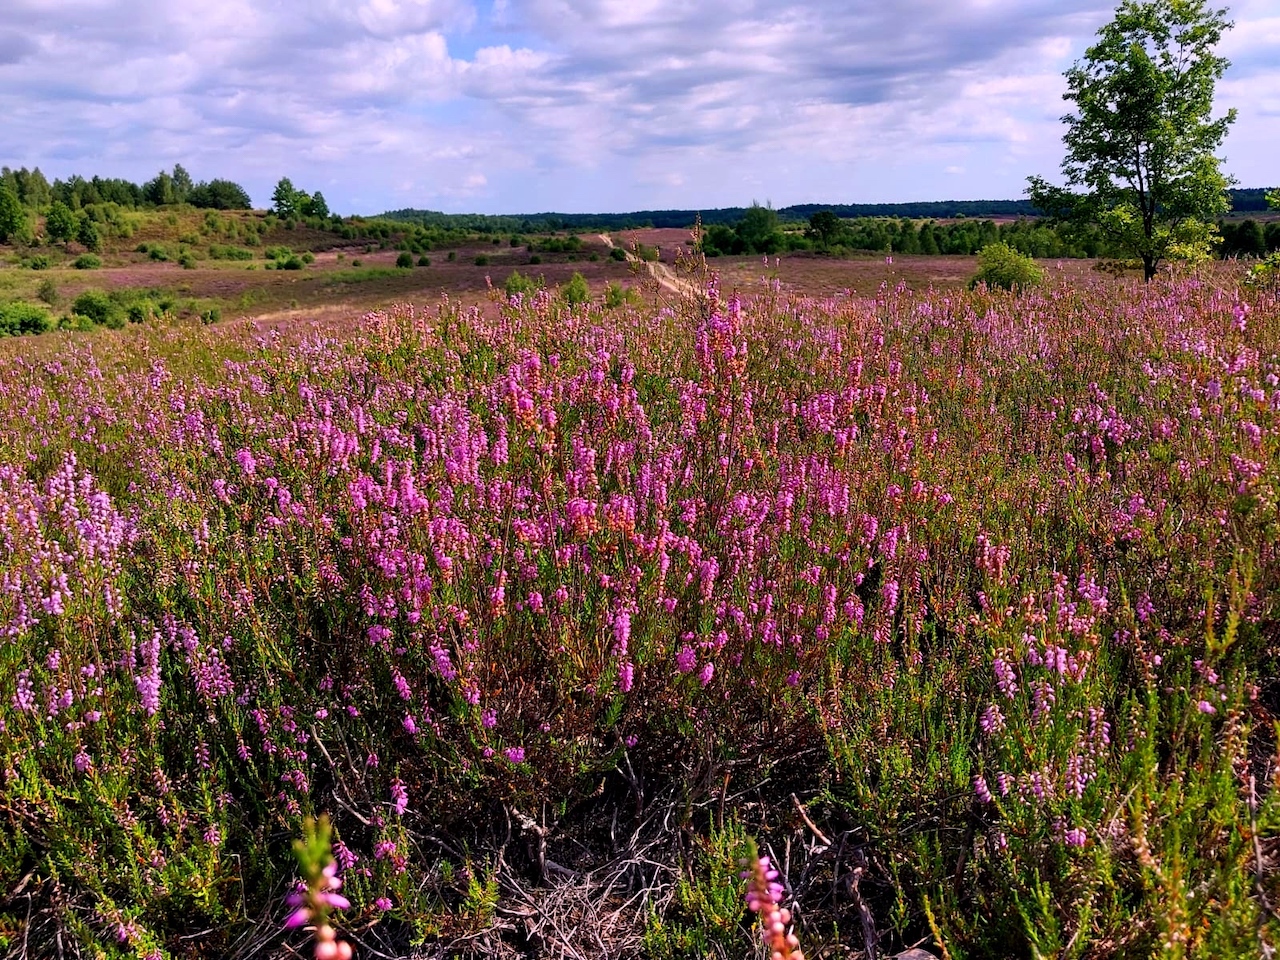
column 35, row 192
column 722, row 216
column 1242, row 201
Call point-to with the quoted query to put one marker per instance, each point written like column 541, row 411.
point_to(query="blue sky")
column 577, row 105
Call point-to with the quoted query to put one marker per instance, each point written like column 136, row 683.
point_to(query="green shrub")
column 158, row 253
column 212, row 315
column 617, row 253
column 38, row 261
column 97, row 306
column 308, row 258
column 999, row 265
column 47, row 292
column 405, row 260
column 87, row 261
column 291, row 263
column 424, row 261
column 535, row 259
column 220, row 252
column 576, row 291
column 138, row 312
column 77, row 323
column 356, row 263
column 187, row 261
column 453, row 255
column 18, row 319
column 518, row 283
column 88, row 236
column 615, row 295
column 482, row 261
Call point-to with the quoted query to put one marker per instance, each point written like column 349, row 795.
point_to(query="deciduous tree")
column 12, row 216
column 60, row 223
column 1141, row 144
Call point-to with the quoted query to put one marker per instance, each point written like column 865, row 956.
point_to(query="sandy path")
column 660, row 272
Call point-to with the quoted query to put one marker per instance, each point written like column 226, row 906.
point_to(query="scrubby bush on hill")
column 99, row 307
column 1000, row 266
column 19, row 319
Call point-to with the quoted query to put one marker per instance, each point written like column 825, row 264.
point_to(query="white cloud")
column 574, row 104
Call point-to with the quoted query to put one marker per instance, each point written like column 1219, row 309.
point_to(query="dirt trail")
column 660, row 272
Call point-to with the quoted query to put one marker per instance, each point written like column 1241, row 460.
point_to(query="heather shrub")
column 87, row 261
column 967, row 603
column 405, row 260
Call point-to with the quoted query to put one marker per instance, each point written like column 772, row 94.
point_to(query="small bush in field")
column 481, row 261
column 424, row 261
column 615, row 295
column 576, row 291
column 97, row 306
column 1001, row 266
column 518, row 283
column 19, row 319
column 38, row 261
column 405, row 260
column 87, row 261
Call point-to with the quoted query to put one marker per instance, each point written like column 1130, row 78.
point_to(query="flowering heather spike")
column 313, row 901
column 764, row 895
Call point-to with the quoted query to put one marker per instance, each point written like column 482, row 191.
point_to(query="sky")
column 521, row 106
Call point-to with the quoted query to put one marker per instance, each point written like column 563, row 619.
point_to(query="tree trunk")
column 1148, row 269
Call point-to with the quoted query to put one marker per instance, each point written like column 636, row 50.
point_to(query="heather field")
column 963, row 605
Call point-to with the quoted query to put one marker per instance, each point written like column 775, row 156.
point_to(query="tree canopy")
column 1141, row 143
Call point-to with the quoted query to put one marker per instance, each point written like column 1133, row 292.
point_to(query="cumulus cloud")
column 572, row 104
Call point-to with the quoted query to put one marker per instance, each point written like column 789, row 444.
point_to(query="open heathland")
column 962, row 603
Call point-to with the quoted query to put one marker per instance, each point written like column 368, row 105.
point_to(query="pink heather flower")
column 1204, row 706
column 399, row 797
column 764, row 894
column 992, row 720
column 383, row 903
column 981, row 791
column 410, row 725
column 626, row 677
column 621, row 633
column 1075, row 837
column 686, row 659
column 245, row 459
column 489, row 718
column 706, row 673
column 515, row 754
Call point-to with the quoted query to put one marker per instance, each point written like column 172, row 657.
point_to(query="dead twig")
column 822, row 837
